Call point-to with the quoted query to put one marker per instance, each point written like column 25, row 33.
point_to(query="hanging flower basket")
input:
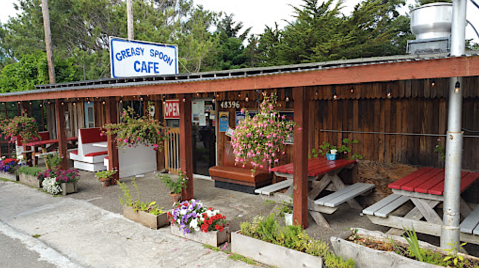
column 261, row 139
column 134, row 130
column 20, row 126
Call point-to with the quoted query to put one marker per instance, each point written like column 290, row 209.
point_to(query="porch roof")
column 338, row 72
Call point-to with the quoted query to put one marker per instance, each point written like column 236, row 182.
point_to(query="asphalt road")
column 14, row 254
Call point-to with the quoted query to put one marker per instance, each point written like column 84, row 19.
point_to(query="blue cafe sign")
column 137, row 58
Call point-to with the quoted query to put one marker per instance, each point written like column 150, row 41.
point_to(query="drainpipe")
column 450, row 228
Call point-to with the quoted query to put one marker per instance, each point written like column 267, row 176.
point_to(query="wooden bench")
column 271, row 189
column 386, row 206
column 234, row 177
column 471, row 222
column 347, row 193
column 89, row 157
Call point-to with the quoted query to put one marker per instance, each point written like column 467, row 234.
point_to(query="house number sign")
column 230, row 104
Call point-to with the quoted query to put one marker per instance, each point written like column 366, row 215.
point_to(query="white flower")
column 194, row 223
column 183, row 211
column 50, row 185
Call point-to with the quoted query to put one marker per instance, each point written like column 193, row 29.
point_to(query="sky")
column 258, row 13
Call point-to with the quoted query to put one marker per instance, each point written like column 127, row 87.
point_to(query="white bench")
column 89, row 157
column 271, row 189
column 347, row 193
column 471, row 222
column 386, row 206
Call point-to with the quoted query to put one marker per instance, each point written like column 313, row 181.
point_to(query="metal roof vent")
column 431, row 24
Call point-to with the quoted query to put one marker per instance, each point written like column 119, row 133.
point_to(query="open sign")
column 172, row 109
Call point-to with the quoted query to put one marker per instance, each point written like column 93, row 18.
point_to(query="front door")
column 204, row 139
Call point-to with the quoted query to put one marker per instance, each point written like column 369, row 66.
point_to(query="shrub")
column 31, row 171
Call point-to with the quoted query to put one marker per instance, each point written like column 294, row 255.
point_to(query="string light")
column 352, row 89
column 184, row 99
column 49, row 102
column 41, row 104
column 389, row 95
column 214, row 98
column 335, row 96
column 74, row 103
column 30, row 103
column 140, row 97
column 62, row 103
column 457, row 87
column 103, row 102
column 246, row 99
column 239, row 95
column 197, row 94
column 433, row 83
column 121, row 99
column 317, row 92
column 88, row 100
column 287, row 99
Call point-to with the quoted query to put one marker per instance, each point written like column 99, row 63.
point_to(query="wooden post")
column 48, row 41
column 61, row 134
column 300, row 163
column 160, row 155
column 129, row 15
column 111, row 110
column 186, row 143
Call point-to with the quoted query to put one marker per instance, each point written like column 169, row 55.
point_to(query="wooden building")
column 395, row 106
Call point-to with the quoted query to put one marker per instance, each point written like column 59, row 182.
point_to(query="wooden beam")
column 61, row 133
column 300, row 163
column 160, row 155
column 404, row 70
column 186, row 143
column 111, row 110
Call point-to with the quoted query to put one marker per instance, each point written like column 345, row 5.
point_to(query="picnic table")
column 425, row 189
column 322, row 175
column 40, row 145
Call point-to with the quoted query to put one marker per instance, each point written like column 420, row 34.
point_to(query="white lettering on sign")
column 137, row 58
column 172, row 109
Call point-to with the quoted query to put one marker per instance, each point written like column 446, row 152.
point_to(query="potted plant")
column 67, row 180
column 375, row 249
column 333, row 152
column 175, row 187
column 190, row 219
column 147, row 214
column 105, row 177
column 8, row 168
column 286, row 210
column 20, row 126
column 29, row 175
column 134, row 130
column 261, row 139
column 53, row 160
column 266, row 241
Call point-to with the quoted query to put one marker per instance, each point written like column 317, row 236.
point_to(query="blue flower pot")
column 331, row 156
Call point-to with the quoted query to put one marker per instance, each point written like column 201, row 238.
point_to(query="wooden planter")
column 271, row 254
column 8, row 176
column 368, row 257
column 212, row 238
column 146, row 219
column 69, row 187
column 30, row 180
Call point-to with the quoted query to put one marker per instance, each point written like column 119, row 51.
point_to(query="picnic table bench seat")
column 347, row 193
column 386, row 206
column 89, row 157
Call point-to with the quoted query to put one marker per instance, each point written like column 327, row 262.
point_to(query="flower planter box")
column 212, row 238
column 69, row 187
column 30, row 180
column 368, row 257
column 271, row 254
column 8, row 176
column 146, row 219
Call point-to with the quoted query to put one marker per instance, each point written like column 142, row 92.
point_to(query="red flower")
column 210, row 221
column 220, row 229
column 217, row 226
column 210, row 208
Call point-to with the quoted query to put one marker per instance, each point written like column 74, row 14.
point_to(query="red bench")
column 234, row 177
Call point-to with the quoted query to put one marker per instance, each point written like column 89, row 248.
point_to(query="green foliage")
column 440, row 150
column 177, row 186
column 134, row 130
column 53, row 161
column 20, row 126
column 137, row 205
column 293, row 237
column 345, row 149
column 105, row 174
column 413, row 242
column 286, row 206
column 31, row 171
column 452, row 255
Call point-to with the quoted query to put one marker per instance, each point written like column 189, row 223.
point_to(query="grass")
column 233, row 256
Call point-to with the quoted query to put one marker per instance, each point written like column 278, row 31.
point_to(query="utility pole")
column 129, row 11
column 452, row 185
column 48, row 41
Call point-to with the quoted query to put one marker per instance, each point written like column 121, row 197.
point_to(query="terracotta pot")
column 105, row 182
column 175, row 198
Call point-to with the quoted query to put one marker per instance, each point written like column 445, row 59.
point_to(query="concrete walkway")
column 68, row 232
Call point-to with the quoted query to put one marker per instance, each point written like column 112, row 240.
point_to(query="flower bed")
column 58, row 181
column 375, row 249
column 149, row 215
column 190, row 219
column 264, row 240
column 8, row 168
column 28, row 176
